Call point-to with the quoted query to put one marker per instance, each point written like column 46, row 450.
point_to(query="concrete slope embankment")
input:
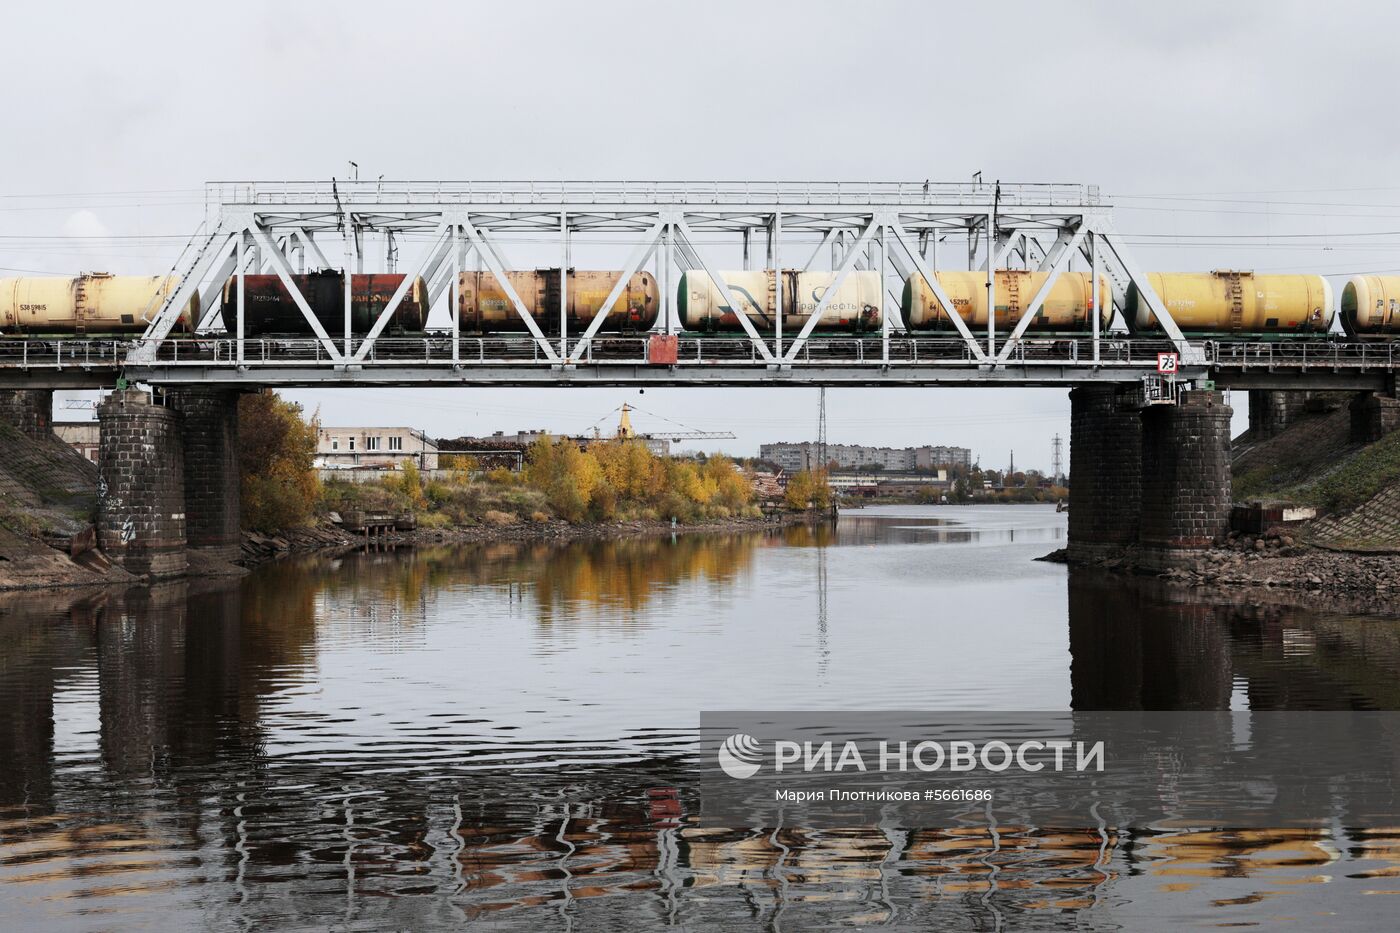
column 48, row 496
column 1318, row 461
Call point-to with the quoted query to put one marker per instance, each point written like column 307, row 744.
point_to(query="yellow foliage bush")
column 622, row 478
column 807, row 489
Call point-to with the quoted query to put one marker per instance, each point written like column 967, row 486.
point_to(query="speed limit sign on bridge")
column 1166, row 363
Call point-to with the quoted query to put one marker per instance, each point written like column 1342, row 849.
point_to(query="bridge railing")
column 1302, row 355
column 900, row 350
column 350, row 192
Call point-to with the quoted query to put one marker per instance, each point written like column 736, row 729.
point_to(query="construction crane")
column 625, row 429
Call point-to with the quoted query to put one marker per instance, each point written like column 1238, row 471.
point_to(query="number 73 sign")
column 1166, row 363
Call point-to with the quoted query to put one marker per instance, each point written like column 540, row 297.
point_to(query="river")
column 498, row 733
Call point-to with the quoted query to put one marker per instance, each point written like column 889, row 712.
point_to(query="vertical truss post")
column 668, row 298
column 777, row 264
column 454, row 311
column 1094, row 271
column 564, row 284
column 352, row 238
column 748, row 257
column 991, row 288
column 884, row 309
column 242, row 294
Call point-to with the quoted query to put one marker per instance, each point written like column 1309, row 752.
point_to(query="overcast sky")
column 1229, row 135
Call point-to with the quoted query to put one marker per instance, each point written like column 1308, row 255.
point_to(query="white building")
column 383, row 448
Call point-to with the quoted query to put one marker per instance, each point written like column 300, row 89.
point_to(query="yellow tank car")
column 1229, row 302
column 1067, row 308
column 96, row 303
column 856, row 306
column 486, row 308
column 1371, row 305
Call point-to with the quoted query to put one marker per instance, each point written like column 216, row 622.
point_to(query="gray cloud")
column 1283, row 105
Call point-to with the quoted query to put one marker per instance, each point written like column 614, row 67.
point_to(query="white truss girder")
column 268, row 224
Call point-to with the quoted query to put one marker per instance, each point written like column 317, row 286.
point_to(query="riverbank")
column 327, row 536
column 27, row 564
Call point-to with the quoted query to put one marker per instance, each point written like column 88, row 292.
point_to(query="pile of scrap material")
column 766, row 485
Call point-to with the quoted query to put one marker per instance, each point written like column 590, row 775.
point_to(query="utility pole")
column 1057, row 461
column 821, row 429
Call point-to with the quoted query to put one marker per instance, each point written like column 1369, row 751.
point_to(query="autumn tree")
column 565, row 474
column 276, row 455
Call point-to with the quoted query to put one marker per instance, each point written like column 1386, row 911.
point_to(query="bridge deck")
column 701, row 360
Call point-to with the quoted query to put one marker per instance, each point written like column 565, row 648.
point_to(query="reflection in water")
column 405, row 740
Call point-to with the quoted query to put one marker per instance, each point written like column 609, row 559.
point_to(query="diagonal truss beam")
column 936, row 287
column 211, row 299
column 493, row 262
column 1005, row 244
column 284, row 272
column 1052, row 255
column 1033, row 308
column 686, row 236
column 841, row 273
column 308, row 242
column 1146, row 292
column 824, row 245
column 650, row 240
column 163, row 323
column 428, row 266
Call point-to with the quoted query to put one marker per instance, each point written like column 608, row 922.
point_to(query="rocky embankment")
column 1277, row 560
column 1273, row 561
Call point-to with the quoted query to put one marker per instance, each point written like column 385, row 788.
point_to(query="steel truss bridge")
column 896, row 229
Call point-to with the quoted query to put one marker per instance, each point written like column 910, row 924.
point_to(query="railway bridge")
column 1149, row 451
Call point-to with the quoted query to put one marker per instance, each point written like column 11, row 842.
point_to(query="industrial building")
column 804, row 456
column 374, row 447
column 82, row 436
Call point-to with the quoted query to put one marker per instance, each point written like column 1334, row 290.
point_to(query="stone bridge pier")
column 169, row 478
column 30, row 411
column 209, row 433
column 1272, row 410
column 1153, row 482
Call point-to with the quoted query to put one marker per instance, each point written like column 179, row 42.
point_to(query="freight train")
column 1215, row 304
column 94, row 304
